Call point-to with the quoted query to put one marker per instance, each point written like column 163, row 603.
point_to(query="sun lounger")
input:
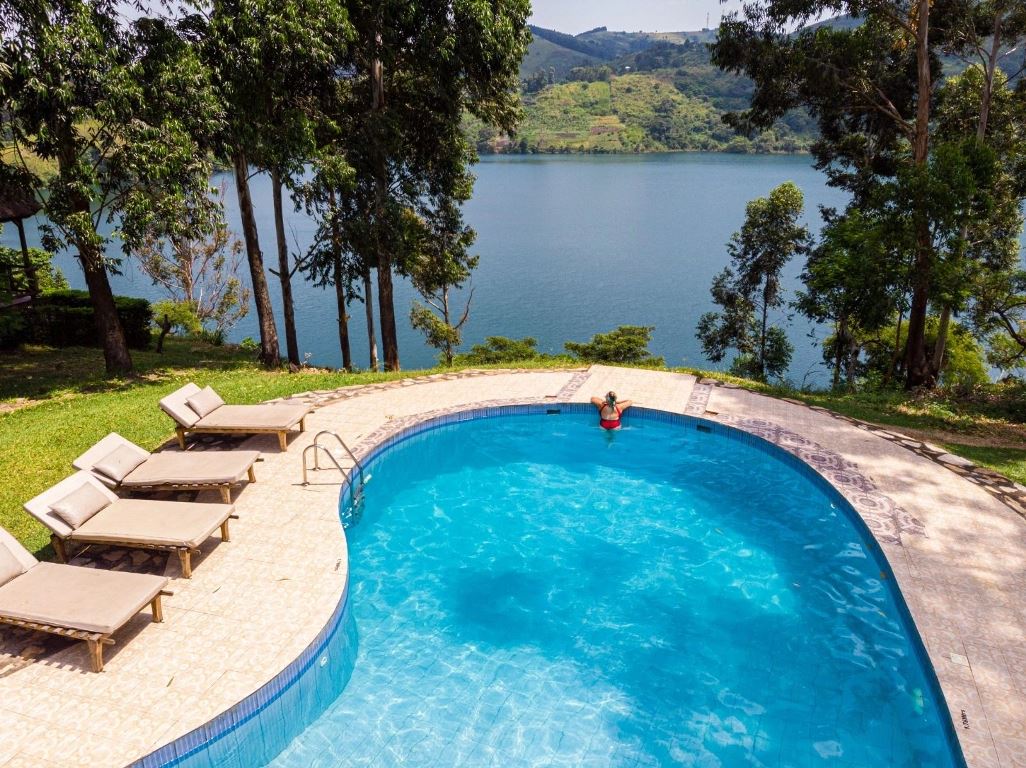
column 80, row 509
column 119, row 463
column 202, row 410
column 87, row 604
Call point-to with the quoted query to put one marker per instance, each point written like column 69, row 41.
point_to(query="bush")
column 500, row 349
column 627, row 344
column 65, row 319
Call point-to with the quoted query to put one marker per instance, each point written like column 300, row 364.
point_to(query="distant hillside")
column 604, row 91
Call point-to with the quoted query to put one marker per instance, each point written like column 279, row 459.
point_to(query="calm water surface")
column 569, row 246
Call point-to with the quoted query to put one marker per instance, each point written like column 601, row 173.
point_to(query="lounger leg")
column 156, row 609
column 302, row 424
column 181, row 437
column 185, row 558
column 58, row 547
column 282, row 442
column 95, row 645
column 226, row 494
column 224, row 532
column 252, row 474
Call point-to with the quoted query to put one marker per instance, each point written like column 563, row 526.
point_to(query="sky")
column 575, row 16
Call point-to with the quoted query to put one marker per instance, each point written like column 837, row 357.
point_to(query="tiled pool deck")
column 956, row 545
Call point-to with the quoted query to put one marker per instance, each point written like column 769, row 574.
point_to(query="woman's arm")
column 623, row 405
column 598, row 402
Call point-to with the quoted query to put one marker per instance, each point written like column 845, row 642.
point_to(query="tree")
column 625, row 345
column 417, row 69
column 199, row 273
column 849, row 281
column 870, row 89
column 267, row 56
column 118, row 108
column 442, row 262
column 770, row 236
column 328, row 262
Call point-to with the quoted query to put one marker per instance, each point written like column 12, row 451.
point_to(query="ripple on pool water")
column 530, row 591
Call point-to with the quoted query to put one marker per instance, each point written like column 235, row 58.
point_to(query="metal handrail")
column 313, row 447
column 341, row 442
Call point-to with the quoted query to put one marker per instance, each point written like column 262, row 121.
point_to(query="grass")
column 58, row 403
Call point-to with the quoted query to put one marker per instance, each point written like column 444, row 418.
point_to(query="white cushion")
column 118, row 463
column 79, row 505
column 10, row 566
column 205, row 401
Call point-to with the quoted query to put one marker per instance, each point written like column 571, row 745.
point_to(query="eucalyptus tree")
column 267, row 56
column 750, row 289
column 870, row 89
column 417, row 68
column 984, row 34
column 120, row 109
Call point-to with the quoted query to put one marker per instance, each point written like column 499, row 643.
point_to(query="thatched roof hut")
column 17, row 201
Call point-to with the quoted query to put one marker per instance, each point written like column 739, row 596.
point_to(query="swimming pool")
column 528, row 590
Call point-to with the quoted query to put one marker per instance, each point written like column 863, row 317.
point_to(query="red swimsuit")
column 610, row 423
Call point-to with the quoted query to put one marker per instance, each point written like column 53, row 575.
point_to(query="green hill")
column 604, row 91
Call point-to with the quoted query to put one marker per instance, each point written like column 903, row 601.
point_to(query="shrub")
column 500, row 349
column 65, row 319
column 626, row 344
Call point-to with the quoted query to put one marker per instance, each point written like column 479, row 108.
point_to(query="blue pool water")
column 531, row 591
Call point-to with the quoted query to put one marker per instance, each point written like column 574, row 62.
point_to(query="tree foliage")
column 120, row 109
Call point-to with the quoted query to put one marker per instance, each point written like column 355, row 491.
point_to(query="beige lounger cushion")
column 22, row 555
column 191, row 468
column 118, row 463
column 10, row 566
column 79, row 505
column 259, row 417
column 101, row 449
column 175, row 405
column 159, row 523
column 41, row 507
column 205, row 401
column 88, row 599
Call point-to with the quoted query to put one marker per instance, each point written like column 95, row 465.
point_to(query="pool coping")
column 858, row 496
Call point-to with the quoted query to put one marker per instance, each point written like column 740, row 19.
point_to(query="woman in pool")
column 610, row 410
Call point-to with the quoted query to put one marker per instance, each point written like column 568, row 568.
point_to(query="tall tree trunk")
column 26, row 259
column 981, row 134
column 917, row 368
column 838, row 352
column 284, row 272
column 762, row 336
column 116, row 357
column 269, row 354
column 368, row 305
column 341, row 299
column 386, row 303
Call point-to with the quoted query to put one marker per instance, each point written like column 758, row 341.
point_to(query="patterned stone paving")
column 959, row 555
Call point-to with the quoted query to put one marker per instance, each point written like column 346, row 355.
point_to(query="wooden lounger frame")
column 281, row 433
column 184, row 553
column 224, row 488
column 94, row 640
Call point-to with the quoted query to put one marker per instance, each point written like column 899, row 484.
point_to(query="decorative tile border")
column 885, row 518
column 1009, row 493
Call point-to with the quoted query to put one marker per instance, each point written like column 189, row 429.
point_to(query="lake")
column 570, row 245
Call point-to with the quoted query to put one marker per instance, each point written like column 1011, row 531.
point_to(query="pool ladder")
column 351, row 514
